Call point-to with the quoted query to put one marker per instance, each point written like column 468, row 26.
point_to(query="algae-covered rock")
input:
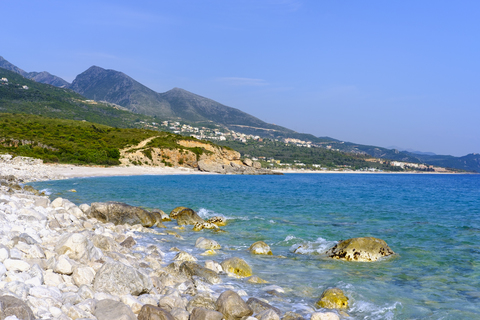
column 218, row 221
column 175, row 212
column 204, row 243
column 333, row 298
column 188, row 217
column 237, row 267
column 260, row 247
column 121, row 213
column 360, row 249
column 204, row 225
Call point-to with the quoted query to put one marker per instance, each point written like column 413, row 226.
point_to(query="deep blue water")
column 431, row 221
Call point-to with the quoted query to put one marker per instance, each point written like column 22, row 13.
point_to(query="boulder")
column 11, row 306
column 324, row 316
column 237, row 267
column 207, row 244
column 163, row 215
column 213, row 265
column 201, row 300
column 218, row 221
column 248, row 162
column 77, row 246
column 83, row 275
column 175, row 212
column 188, row 217
column 333, row 298
column 268, row 315
column 150, row 312
column 128, row 243
column 184, row 256
column 260, row 247
column 121, row 213
column 191, row 269
column 205, row 314
column 360, row 249
column 289, row 315
column 258, row 306
column 113, row 310
column 119, row 279
column 232, row 306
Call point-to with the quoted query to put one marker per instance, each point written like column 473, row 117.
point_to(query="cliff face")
column 207, row 158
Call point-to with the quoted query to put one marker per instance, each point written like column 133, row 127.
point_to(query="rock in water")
column 11, row 306
column 237, row 267
column 232, row 306
column 333, row 298
column 175, row 212
column 260, row 247
column 122, row 213
column 188, row 217
column 204, row 243
column 360, row 249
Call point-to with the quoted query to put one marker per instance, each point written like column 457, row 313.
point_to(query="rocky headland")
column 63, row 261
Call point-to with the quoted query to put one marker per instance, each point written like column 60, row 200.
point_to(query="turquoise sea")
column 432, row 222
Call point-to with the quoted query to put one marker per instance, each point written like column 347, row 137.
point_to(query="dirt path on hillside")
column 140, row 145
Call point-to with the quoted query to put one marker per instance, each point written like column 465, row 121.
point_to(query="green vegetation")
column 168, row 140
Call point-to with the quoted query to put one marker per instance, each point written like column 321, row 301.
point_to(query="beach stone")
column 128, row 243
column 260, row 247
column 175, row 212
column 256, row 280
column 16, row 265
column 150, row 312
column 204, row 225
column 268, row 314
column 207, row 244
column 218, row 221
column 85, row 292
column 180, row 314
column 78, row 247
column 324, row 316
column 113, row 310
column 11, row 306
column 163, row 215
column 201, row 300
column 83, row 275
column 258, row 306
column 132, row 302
column 170, row 302
column 289, row 315
column 119, row 279
column 158, row 219
column 360, row 249
column 4, row 253
column 121, row 213
column 105, row 243
column 213, row 265
column 210, row 252
column 237, row 267
column 232, row 306
column 188, row 217
column 190, row 269
column 53, row 279
column 205, row 314
column 333, row 298
column 64, row 265
column 184, row 256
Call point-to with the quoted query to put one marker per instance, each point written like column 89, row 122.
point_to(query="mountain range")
column 178, row 104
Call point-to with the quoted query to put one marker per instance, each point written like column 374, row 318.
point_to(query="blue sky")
column 386, row 73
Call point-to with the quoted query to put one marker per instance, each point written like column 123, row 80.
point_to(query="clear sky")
column 386, row 73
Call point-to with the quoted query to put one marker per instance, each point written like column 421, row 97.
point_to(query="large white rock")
column 204, row 243
column 35, row 252
column 324, row 316
column 132, row 302
column 64, row 265
column 83, row 275
column 16, row 265
column 53, row 279
column 77, row 246
column 120, row 279
column 4, row 253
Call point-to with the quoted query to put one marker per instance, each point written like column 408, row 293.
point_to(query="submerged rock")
column 360, row 249
column 204, row 243
column 260, row 247
column 237, row 267
column 333, row 298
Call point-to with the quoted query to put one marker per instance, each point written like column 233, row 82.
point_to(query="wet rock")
column 213, row 265
column 292, row 316
column 268, row 315
column 184, row 256
column 324, row 316
column 128, row 243
column 121, row 213
column 188, row 217
column 258, row 306
column 119, row 279
column 256, row 280
column 201, row 300
column 175, row 212
column 333, row 298
column 150, row 312
column 163, row 215
column 207, row 244
column 205, row 314
column 113, row 310
column 191, row 269
column 237, row 267
column 218, row 221
column 11, row 306
column 260, row 247
column 360, row 249
column 232, row 306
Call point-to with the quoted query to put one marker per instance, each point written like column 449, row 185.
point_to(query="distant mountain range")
column 177, row 104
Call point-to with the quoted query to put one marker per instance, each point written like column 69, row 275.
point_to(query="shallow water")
column 431, row 221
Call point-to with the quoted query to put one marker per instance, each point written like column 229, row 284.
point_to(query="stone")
column 163, row 215
column 248, row 162
column 190, row 269
column 204, row 225
column 188, row 217
column 213, row 265
column 201, row 300
column 128, row 243
column 119, row 279
column 236, row 267
column 218, row 221
column 260, row 247
column 78, row 247
column 184, row 256
column 180, row 314
column 207, row 244
column 104, row 243
column 170, row 302
column 175, row 212
column 324, row 316
column 64, row 265
column 11, row 306
column 333, row 298
column 132, row 302
column 85, row 292
column 232, row 306
column 83, row 275
column 150, row 312
column 113, row 310
column 121, row 213
column 268, row 314
column 258, row 306
column 256, row 280
column 205, row 314
column 365, row 249
column 16, row 265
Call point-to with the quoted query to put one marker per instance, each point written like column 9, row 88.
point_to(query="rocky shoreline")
column 63, row 261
